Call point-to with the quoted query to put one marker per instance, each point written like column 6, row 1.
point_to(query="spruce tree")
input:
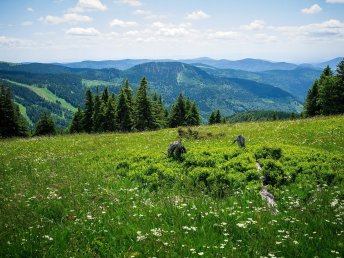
column 159, row 111
column 105, row 95
column 178, row 114
column 110, row 114
column 311, row 106
column 45, row 125
column 212, row 118
column 88, row 113
column 97, row 117
column 144, row 119
column 12, row 123
column 76, row 125
column 218, row 117
column 193, row 117
column 123, row 117
column 329, row 97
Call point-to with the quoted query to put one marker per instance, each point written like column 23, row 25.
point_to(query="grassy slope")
column 90, row 195
column 47, row 95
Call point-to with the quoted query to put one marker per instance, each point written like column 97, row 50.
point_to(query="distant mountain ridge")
column 247, row 64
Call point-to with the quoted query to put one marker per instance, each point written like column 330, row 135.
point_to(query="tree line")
column 125, row 113
column 326, row 96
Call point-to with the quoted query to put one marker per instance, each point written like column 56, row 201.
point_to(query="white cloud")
column 88, row 6
column 68, row 17
column 197, row 15
column 141, row 12
column 8, row 42
column 121, row 23
column 227, row 35
column 83, row 32
column 29, row 9
column 26, row 23
column 312, row 10
column 172, row 30
column 255, row 25
column 335, row 1
column 133, row 3
column 264, row 38
column 326, row 30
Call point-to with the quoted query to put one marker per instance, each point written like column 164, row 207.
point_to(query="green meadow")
column 119, row 195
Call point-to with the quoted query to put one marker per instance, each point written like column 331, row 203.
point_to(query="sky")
column 73, row 30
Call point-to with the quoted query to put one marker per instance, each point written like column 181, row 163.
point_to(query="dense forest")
column 326, row 96
column 125, row 113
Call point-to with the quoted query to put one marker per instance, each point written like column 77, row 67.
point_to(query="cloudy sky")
column 74, row 30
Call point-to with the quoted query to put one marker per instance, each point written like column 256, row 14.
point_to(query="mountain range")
column 213, row 84
column 248, row 64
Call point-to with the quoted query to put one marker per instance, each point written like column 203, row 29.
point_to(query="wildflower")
column 241, row 225
column 200, row 253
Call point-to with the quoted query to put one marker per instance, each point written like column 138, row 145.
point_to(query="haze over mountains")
column 248, row 64
column 231, row 86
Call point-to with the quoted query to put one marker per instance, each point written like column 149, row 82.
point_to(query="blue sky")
column 74, row 30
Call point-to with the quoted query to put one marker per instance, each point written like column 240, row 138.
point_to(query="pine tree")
column 45, row 125
column 311, row 107
column 193, row 117
column 96, row 117
column 274, row 116
column 143, row 108
column 105, row 95
column 329, row 97
column 110, row 114
column 76, row 125
column 218, row 117
column 212, row 118
column 159, row 111
column 123, row 118
column 88, row 113
column 178, row 113
column 12, row 123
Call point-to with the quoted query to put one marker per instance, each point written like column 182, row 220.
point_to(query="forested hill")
column 61, row 89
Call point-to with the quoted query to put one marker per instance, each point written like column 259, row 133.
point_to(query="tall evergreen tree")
column 311, row 106
column 97, row 116
column 212, row 118
column 218, row 117
column 110, row 114
column 123, row 118
column 329, row 96
column 193, row 117
column 88, row 113
column 77, row 125
column 143, row 108
column 178, row 113
column 105, row 95
column 12, row 123
column 45, row 125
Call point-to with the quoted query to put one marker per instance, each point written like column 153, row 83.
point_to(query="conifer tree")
column 96, row 117
column 178, row 114
column 76, row 125
column 123, row 117
column 193, row 117
column 159, row 111
column 218, row 117
column 212, row 118
column 311, row 107
column 105, row 95
column 110, row 114
column 45, row 125
column 144, row 119
column 88, row 113
column 12, row 123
